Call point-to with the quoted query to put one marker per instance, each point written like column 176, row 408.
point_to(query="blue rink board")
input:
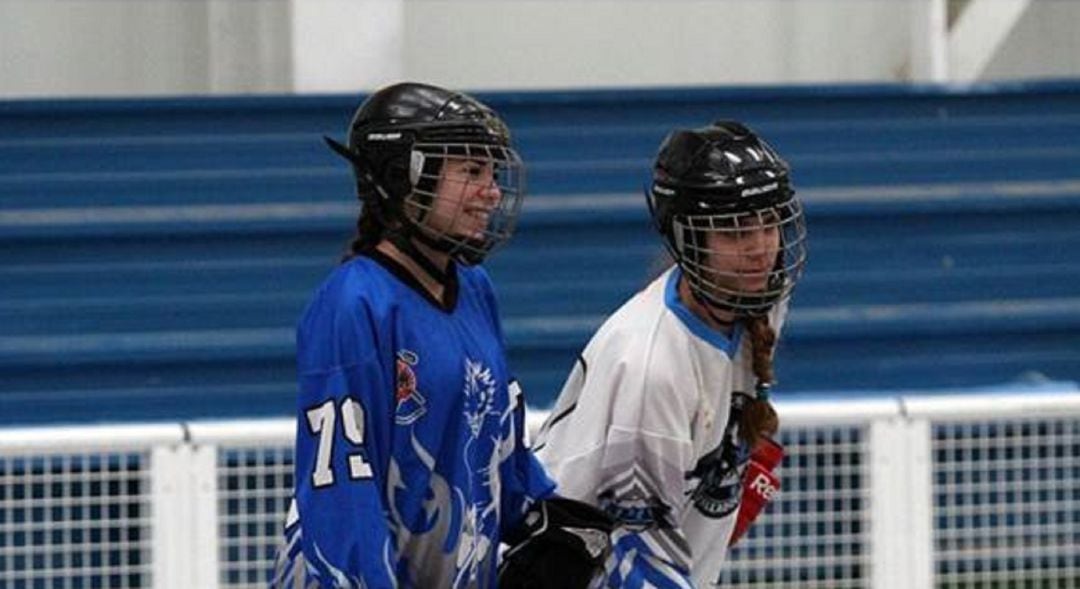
column 943, row 224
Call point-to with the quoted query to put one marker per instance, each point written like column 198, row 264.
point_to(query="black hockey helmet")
column 724, row 180
column 401, row 137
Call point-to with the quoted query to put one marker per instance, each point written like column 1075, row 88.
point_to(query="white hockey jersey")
column 639, row 429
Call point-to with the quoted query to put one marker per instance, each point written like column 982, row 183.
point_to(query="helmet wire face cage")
column 743, row 262
column 466, row 196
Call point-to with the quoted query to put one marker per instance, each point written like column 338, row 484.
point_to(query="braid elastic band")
column 763, row 390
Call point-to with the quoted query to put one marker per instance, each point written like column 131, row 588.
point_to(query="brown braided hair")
column 759, row 419
column 370, row 230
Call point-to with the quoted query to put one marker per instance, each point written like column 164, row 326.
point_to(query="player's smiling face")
column 741, row 258
column 467, row 195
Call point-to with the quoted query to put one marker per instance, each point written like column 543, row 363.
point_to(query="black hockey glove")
column 561, row 544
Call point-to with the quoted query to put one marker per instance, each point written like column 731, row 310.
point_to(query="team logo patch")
column 719, row 473
column 479, row 394
column 636, row 513
column 411, row 404
column 719, row 489
column 480, row 519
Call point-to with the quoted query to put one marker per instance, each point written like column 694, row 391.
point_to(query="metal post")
column 170, row 515
column 900, row 494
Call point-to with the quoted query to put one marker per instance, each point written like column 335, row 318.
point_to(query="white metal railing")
column 907, row 492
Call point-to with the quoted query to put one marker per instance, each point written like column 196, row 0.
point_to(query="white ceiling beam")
column 978, row 34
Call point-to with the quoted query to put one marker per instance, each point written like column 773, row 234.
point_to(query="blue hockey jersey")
column 410, row 463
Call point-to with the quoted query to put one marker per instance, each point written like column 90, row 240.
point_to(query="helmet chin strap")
column 470, row 256
column 759, row 304
column 404, row 234
column 403, row 240
column 407, row 232
column 714, row 309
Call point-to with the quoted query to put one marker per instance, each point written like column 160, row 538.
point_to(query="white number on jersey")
column 323, row 420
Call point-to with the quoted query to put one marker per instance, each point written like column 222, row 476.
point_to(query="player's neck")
column 718, row 319
column 441, row 260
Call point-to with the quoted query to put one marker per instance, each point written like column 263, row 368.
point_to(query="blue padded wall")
column 156, row 253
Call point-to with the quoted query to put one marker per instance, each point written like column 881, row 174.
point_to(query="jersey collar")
column 719, row 340
column 450, row 287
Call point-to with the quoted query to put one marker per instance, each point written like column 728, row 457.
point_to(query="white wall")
column 1045, row 42
column 143, row 47
column 155, row 47
column 249, row 44
column 346, row 45
column 50, row 47
column 495, row 44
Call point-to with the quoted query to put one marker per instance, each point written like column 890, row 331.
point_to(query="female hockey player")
column 410, row 466
column 666, row 413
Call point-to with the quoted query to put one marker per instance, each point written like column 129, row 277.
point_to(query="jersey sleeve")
column 340, row 533
column 612, row 443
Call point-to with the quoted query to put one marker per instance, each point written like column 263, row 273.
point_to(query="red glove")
column 759, row 485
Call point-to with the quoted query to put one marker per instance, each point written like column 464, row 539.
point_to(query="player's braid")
column 759, row 418
column 369, row 232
